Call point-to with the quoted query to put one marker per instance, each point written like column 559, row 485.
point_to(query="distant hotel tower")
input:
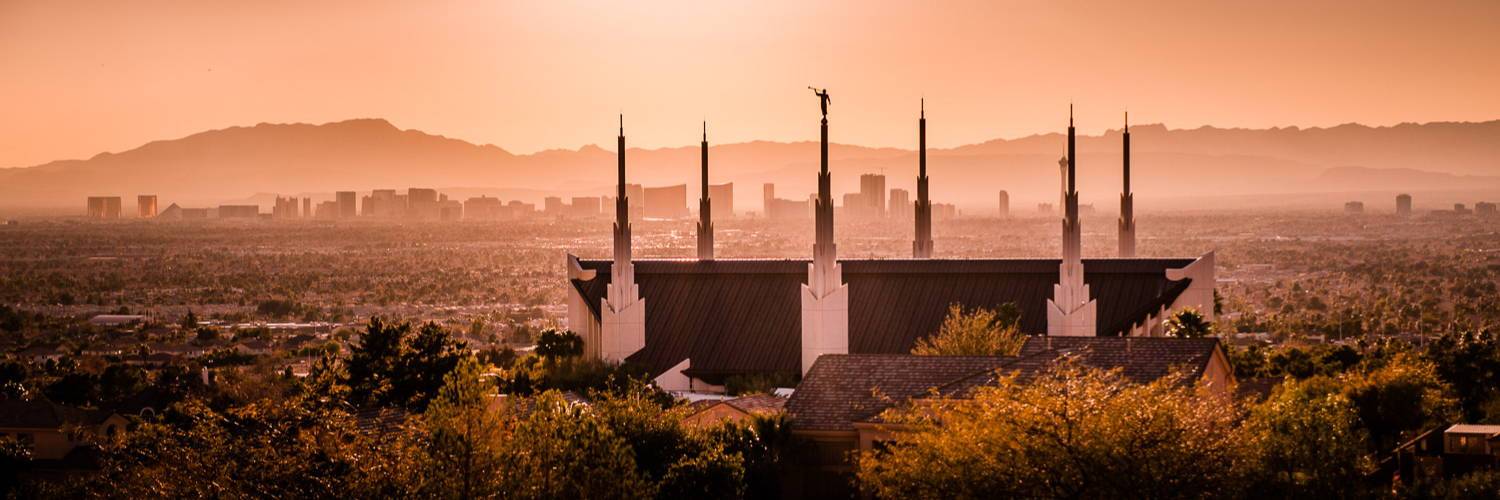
column 1004, row 203
column 1403, row 205
column 1127, row 203
column 146, row 204
column 921, row 248
column 705, row 211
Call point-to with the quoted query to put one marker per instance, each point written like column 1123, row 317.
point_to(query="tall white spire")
column 1071, row 312
column 825, row 297
column 623, row 321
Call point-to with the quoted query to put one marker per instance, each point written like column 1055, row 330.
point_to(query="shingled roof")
column 744, row 316
column 1139, row 359
column 841, row 390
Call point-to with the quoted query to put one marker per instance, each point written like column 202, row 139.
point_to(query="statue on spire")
column 823, row 99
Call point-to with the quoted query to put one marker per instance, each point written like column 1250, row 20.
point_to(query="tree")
column 374, row 361
column 979, row 332
column 1071, row 432
column 554, row 344
column 1305, row 442
column 1402, row 397
column 426, row 359
column 1470, row 362
column 465, row 439
column 559, row 450
column 1188, row 323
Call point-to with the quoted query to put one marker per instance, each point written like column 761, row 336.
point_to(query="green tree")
column 427, row 358
column 465, row 437
column 554, row 344
column 1305, row 442
column 374, row 362
column 1188, row 323
column 978, row 332
column 1400, row 398
column 1071, row 432
column 562, row 450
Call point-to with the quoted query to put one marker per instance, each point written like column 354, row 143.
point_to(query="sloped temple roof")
column 745, row 316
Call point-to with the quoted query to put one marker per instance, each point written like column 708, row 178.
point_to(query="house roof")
column 744, row 316
column 758, row 404
column 36, row 414
column 1489, row 430
column 1140, row 360
column 842, row 389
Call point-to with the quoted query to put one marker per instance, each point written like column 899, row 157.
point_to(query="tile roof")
column 744, row 316
column 842, row 389
column 758, row 404
column 37, row 414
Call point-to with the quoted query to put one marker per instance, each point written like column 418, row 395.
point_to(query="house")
column 709, row 413
column 254, row 347
column 42, row 353
column 838, row 405
column 1471, row 439
column 116, row 320
column 43, row 426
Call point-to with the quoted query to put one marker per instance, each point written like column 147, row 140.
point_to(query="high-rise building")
column 1484, row 208
column 307, row 210
column 1354, row 207
column 422, row 203
column 1460, row 209
column 104, row 207
column 285, row 208
column 900, row 204
column 146, row 204
column 1004, row 203
column 767, row 199
column 872, row 193
column 586, row 206
column 485, row 208
column 722, row 196
column 553, row 206
column 666, row 202
column 346, row 204
column 239, row 211
column 1403, row 205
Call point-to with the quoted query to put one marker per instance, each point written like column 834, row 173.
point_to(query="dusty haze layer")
column 1172, row 169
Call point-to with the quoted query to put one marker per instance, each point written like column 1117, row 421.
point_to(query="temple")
column 708, row 321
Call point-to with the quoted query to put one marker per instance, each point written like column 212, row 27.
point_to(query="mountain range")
column 1171, row 168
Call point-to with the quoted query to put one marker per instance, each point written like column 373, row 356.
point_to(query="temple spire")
column 1070, row 311
column 921, row 246
column 825, row 296
column 1127, row 201
column 622, row 313
column 705, row 210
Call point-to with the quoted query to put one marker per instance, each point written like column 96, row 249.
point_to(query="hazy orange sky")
column 78, row 78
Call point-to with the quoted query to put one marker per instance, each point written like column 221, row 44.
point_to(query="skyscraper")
column 1403, row 205
column 346, row 204
column 146, row 204
column 1004, row 203
column 872, row 194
